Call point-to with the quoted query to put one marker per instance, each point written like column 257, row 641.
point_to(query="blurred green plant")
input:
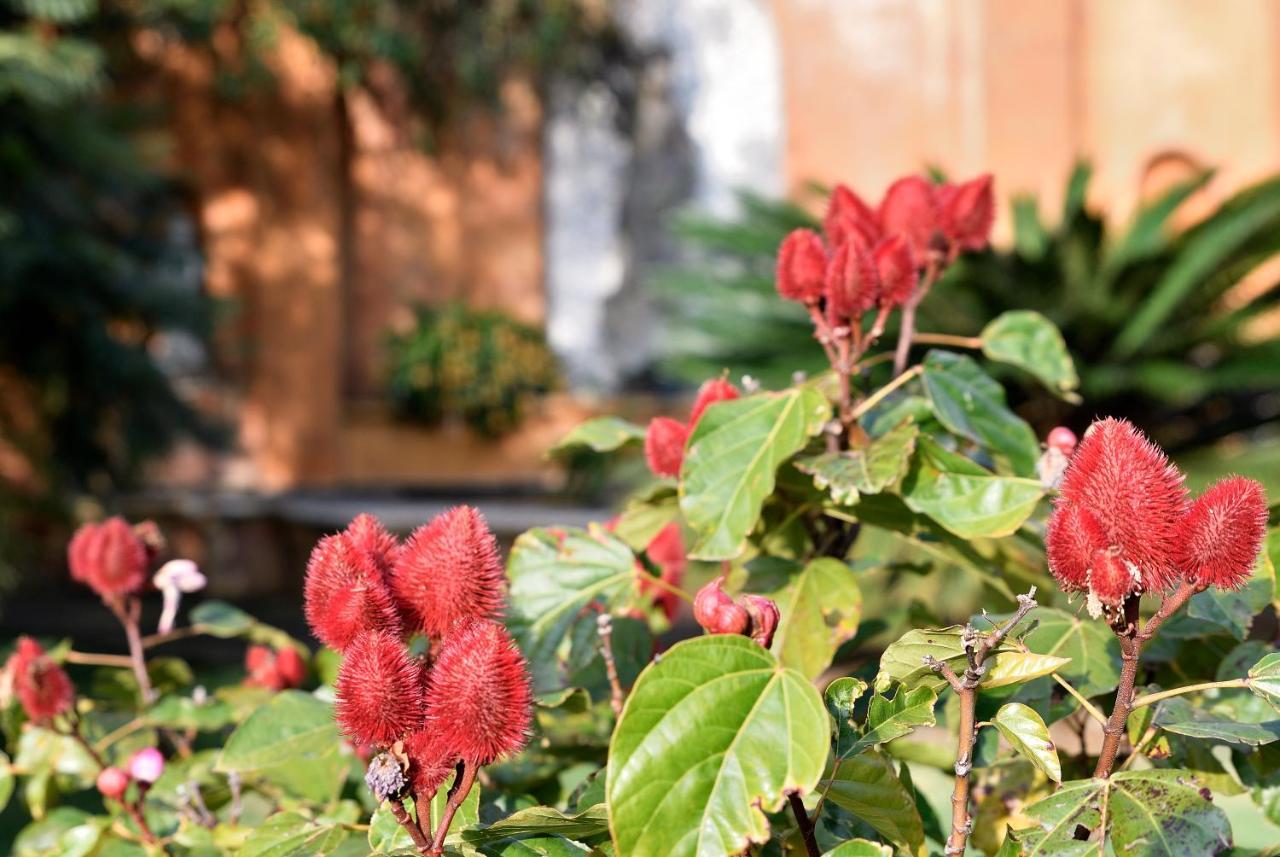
column 1144, row 310
column 480, row 367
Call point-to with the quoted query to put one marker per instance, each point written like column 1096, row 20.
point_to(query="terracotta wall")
column 875, row 88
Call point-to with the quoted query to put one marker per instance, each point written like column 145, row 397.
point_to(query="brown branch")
column 805, row 825
column 94, row 659
column 604, row 623
column 129, row 612
column 402, row 818
column 461, row 788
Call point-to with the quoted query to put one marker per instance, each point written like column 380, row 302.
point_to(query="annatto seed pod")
column 108, row 557
column 345, row 594
column 968, row 211
column 40, row 684
column 910, row 209
column 431, row 760
column 1219, row 539
column 449, row 570
column 379, row 690
column 479, row 701
column 717, row 613
column 366, row 533
column 712, row 391
column 664, row 445
column 764, row 618
column 851, row 285
column 896, row 271
column 848, row 218
column 802, row 263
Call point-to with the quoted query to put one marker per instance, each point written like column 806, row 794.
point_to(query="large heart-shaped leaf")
column 1027, row 734
column 713, row 736
column 731, row 459
column 964, row 496
column 1031, row 342
column 890, row 718
column 1264, row 679
column 292, row 740
column 867, row 469
column 1158, row 813
column 820, row 608
column 971, row 403
column 602, row 434
column 554, row 575
column 1178, row 715
column 868, row 786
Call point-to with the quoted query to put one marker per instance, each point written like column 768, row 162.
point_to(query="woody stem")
column 604, row 624
column 805, row 825
column 129, row 613
column 402, row 818
column 457, row 794
column 908, row 329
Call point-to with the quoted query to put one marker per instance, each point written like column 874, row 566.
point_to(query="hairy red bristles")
column 366, row 533
column 379, row 690
column 896, row 270
column 108, row 557
column 1134, row 494
column 910, row 209
column 852, row 286
column 968, row 211
column 849, row 218
column 664, row 445
column 666, row 550
column 40, row 684
column 345, row 594
column 1219, row 539
column 1111, row 581
column 450, row 569
column 478, row 693
column 431, row 760
column 712, row 391
column 1071, row 539
column 802, row 261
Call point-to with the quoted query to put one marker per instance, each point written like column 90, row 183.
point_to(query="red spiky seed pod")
column 910, row 209
column 345, row 594
column 431, row 760
column 1219, row 539
column 379, row 690
column 712, row 391
column 852, row 286
column 802, row 262
column 479, row 699
column 664, row 445
column 366, row 533
column 667, row 551
column 896, row 271
column 108, row 557
column 968, row 211
column 291, row 667
column 450, row 569
column 717, row 613
column 1071, row 539
column 764, row 618
column 848, row 218
column 1133, row 493
column 41, row 685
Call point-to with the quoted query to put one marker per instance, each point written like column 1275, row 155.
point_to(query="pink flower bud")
column 1062, row 439
column 112, row 782
column 146, row 765
column 716, row 612
column 764, row 618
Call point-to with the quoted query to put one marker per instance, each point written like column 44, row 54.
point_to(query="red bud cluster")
column 41, row 685
column 665, row 439
column 277, row 670
column 1123, row 523
column 751, row 616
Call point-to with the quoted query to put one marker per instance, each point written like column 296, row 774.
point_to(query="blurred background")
column 264, row 265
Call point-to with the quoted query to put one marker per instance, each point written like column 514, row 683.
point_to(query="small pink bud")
column 112, row 782
column 764, row 618
column 716, row 612
column 1062, row 439
column 146, row 765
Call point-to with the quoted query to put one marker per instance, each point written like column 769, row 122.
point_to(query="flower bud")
column 385, row 777
column 146, row 765
column 112, row 783
column 664, row 445
column 802, row 261
column 1062, row 439
column 764, row 618
column 716, row 612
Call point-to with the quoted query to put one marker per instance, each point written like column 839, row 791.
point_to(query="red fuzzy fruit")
column 366, row 533
column 667, row 551
column 1071, row 539
column 108, row 557
column 431, row 760
column 764, row 618
column 1133, row 493
column 664, row 445
column 1219, row 539
column 802, row 261
column 479, row 701
column 712, row 391
column 449, row 569
column 910, row 209
column 112, row 783
column 379, row 690
column 39, row 683
column 345, row 594
column 1062, row 439
column 896, row 271
column 852, row 286
column 968, row 211
column 849, row 218
column 717, row 613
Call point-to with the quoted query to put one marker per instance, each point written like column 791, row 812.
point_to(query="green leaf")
column 713, row 737
column 1156, row 813
column 385, row 833
column 543, row 845
column 1264, row 680
column 290, row 834
column 42, row 751
column 540, row 821
column 839, row 699
column 602, row 434
column 220, row 619
column 966, row 498
column 971, row 403
column 903, row 660
column 1031, row 342
column 1027, row 734
column 7, row 781
column 1015, row 667
column 293, row 741
column 554, row 575
column 645, row 515
column 820, row 608
column 42, row 838
column 868, row 786
column 863, row 470
column 860, row 848
column 888, row 719
column 1178, row 715
column 182, row 712
column 731, row 459
column 1093, row 651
